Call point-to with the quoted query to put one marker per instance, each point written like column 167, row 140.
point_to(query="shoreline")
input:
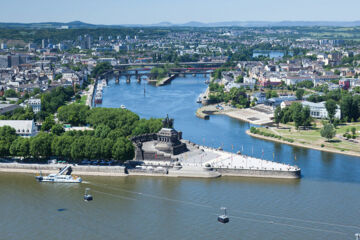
column 324, row 149
column 245, row 114
column 120, row 171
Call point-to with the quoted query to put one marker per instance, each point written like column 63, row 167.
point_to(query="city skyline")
column 156, row 11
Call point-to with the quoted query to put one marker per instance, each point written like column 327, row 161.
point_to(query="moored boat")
column 63, row 176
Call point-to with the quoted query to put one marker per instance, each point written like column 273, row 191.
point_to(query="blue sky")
column 177, row 11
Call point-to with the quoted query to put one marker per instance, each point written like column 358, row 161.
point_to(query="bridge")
column 142, row 70
column 192, row 64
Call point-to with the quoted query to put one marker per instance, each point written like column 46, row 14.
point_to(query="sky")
column 177, row 11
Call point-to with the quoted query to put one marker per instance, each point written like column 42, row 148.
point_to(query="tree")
column 10, row 93
column 300, row 93
column 100, row 69
column 123, row 150
column 40, row 146
column 106, row 148
column 74, row 114
column 77, row 148
column 353, row 130
column 331, row 107
column 20, row 147
column 278, row 115
column 346, row 104
column 7, row 137
column 297, row 114
column 48, row 123
column 306, row 117
column 102, row 131
column 57, row 129
column 328, row 131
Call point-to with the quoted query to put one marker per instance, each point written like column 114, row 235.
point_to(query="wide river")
column 323, row 204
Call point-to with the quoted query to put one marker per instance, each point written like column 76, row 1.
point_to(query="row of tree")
column 70, row 148
column 108, row 140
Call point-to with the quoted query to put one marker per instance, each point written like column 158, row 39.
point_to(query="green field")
column 313, row 138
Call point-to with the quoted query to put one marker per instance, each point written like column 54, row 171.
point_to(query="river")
column 320, row 205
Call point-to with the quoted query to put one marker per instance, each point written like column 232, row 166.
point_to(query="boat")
column 122, row 107
column 223, row 218
column 200, row 97
column 87, row 196
column 63, row 176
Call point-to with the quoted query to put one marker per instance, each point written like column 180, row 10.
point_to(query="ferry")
column 63, row 176
column 122, row 107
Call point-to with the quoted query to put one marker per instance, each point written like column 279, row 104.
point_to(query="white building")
column 318, row 110
column 35, row 103
column 24, row 128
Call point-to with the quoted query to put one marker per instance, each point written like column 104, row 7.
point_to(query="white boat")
column 63, row 176
column 122, row 107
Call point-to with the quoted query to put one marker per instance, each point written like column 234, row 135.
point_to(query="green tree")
column 74, row 114
column 48, row 123
column 57, row 129
column 40, row 145
column 7, row 137
column 328, row 131
column 20, row 147
column 353, row 130
column 78, row 149
column 106, row 148
column 123, row 150
column 278, row 115
column 306, row 117
column 331, row 107
column 10, row 93
column 297, row 114
column 300, row 93
column 346, row 105
column 102, row 131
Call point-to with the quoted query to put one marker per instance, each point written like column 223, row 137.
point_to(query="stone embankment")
column 54, row 168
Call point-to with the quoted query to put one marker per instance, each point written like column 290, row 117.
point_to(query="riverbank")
column 310, row 145
column 256, row 116
column 113, row 171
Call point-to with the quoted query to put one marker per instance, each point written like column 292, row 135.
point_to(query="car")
column 95, row 162
column 103, row 163
column 85, row 162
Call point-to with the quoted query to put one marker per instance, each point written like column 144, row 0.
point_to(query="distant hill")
column 79, row 24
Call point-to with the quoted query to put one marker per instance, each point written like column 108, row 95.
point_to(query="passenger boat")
column 122, row 107
column 63, row 176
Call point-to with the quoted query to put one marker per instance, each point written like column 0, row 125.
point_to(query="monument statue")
column 168, row 122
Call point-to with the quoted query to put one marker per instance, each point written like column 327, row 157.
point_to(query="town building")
column 318, row 110
column 35, row 103
column 24, row 128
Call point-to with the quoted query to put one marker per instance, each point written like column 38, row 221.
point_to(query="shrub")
column 322, row 145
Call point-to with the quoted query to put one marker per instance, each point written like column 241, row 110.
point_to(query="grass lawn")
column 312, row 137
column 83, row 99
